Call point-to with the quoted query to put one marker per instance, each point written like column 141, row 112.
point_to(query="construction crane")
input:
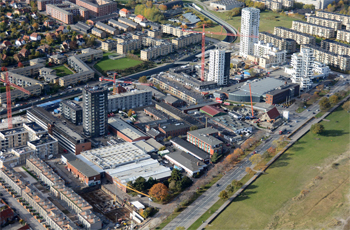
column 251, row 103
column 8, row 85
column 203, row 32
column 115, row 81
column 116, row 181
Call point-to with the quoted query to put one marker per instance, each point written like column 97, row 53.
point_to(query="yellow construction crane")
column 116, row 181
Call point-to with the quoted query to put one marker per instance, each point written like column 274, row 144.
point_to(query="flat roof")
column 157, row 113
column 199, row 153
column 15, row 120
column 145, row 168
column 125, row 128
column 205, row 135
column 232, row 123
column 145, row 146
column 110, row 157
column 81, row 166
column 259, row 87
column 154, row 143
column 186, row 160
column 44, row 139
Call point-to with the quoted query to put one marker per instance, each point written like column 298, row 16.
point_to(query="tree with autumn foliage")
column 271, row 150
column 163, row 7
column 20, row 65
column 238, row 152
column 3, row 69
column 159, row 191
column 36, row 26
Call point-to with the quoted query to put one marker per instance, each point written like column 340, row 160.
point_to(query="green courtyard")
column 62, row 71
column 107, row 64
column 306, row 188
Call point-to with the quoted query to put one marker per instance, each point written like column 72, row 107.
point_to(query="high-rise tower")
column 219, row 66
column 250, row 22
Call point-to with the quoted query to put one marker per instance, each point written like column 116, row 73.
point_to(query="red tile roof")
column 273, row 113
column 6, row 214
column 141, row 17
column 124, row 10
column 211, row 110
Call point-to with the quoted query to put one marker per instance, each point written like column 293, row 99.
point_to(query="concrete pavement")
column 24, row 214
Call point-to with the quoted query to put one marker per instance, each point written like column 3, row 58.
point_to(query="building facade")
column 250, row 23
column 336, row 25
column 72, row 111
column 300, row 38
column 343, row 35
column 219, row 66
column 313, row 29
column 343, row 18
column 303, row 64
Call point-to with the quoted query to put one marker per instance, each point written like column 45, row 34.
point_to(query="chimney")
column 198, row 163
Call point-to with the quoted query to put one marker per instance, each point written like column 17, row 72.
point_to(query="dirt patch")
column 104, row 204
column 323, row 203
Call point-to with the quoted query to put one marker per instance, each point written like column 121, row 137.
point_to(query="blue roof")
column 191, row 17
column 50, row 103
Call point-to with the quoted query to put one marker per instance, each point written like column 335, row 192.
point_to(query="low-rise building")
column 98, row 33
column 313, row 29
column 186, row 40
column 187, row 162
column 128, row 46
column 190, row 149
column 58, row 59
column 83, row 27
column 176, row 31
column 109, row 45
column 125, row 131
column 269, row 55
column 27, row 71
column 129, row 100
column 155, row 33
column 300, row 38
column 45, row 146
column 343, row 18
column 226, row 4
column 156, row 51
column 282, row 94
column 124, row 13
column 335, row 47
column 130, row 23
column 206, row 139
column 107, row 28
column 119, row 25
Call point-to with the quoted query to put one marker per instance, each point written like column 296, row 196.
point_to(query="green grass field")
column 62, row 71
column 108, row 64
column 267, row 199
column 268, row 20
column 216, row 28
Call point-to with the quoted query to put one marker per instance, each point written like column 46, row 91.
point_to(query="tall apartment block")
column 313, row 29
column 95, row 111
column 249, row 30
column 99, row 7
column 286, row 44
column 219, row 66
column 336, row 25
column 335, row 47
column 300, row 38
column 42, row 3
column 344, row 19
column 303, row 64
column 343, row 35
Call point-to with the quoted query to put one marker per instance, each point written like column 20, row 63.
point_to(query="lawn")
column 62, row 71
column 269, row 200
column 216, row 28
column 108, row 64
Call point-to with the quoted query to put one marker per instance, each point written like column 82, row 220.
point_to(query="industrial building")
column 212, row 111
column 190, row 149
column 125, row 131
column 226, row 4
column 187, row 162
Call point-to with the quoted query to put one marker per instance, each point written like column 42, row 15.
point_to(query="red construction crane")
column 251, row 101
column 203, row 43
column 115, row 81
column 8, row 85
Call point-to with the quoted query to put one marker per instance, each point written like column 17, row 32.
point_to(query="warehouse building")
column 212, row 111
column 206, row 139
column 190, row 149
column 189, row 163
column 125, row 131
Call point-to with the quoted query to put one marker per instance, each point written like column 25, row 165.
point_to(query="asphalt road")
column 24, row 214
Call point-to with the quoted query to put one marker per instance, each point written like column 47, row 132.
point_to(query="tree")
column 49, row 40
column 235, row 12
column 317, row 128
column 231, row 158
column 180, row 228
column 36, row 26
column 237, row 183
column 186, row 182
column 214, row 158
column 73, row 45
column 162, row 148
column 271, row 150
column 256, row 158
column 193, row 127
column 68, row 28
column 172, row 185
column 324, row 103
column 149, row 4
column 238, row 152
column 175, row 175
column 163, row 7
column 143, row 79
column 223, row 195
column 169, row 138
column 20, row 65
column 140, row 184
column 333, row 99
column 159, row 191
column 346, row 105
column 130, row 112
column 249, row 170
column 3, row 68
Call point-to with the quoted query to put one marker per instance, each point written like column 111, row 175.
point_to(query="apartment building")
column 300, row 38
column 107, row 28
column 206, row 139
column 336, row 25
column 343, row 18
column 108, row 45
column 67, row 137
column 149, row 41
column 129, row 100
column 155, row 33
column 16, row 94
column 130, row 23
column 128, row 46
column 21, row 80
column 335, row 60
column 280, row 43
column 42, row 3
column 13, row 138
column 119, row 25
column 176, row 31
column 58, row 59
column 72, row 111
column 186, row 40
column 335, row 47
column 28, row 70
column 13, row 179
column 250, row 22
column 313, row 29
column 268, row 54
column 98, row 33
column 98, row 8
column 343, row 35
column 177, row 90
column 45, row 146
column 59, row 13
column 73, row 79
column 156, row 51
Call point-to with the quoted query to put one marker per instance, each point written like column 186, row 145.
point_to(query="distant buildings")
column 129, row 100
column 336, row 25
column 250, row 22
column 226, row 4
column 99, row 8
column 343, row 18
column 269, row 55
column 219, row 67
column 280, row 43
column 300, row 38
column 313, row 29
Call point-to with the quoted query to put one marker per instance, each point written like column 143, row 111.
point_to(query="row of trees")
column 177, row 182
column 151, row 13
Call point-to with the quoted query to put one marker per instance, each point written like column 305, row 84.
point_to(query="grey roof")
column 119, row 24
column 82, row 26
column 153, row 132
column 72, row 104
column 128, row 22
column 107, row 27
column 171, row 99
column 46, row 138
column 194, row 150
column 187, row 161
column 204, row 135
column 260, row 87
column 191, row 17
column 174, row 126
column 35, row 127
column 228, row 2
column 157, row 113
column 97, row 30
column 154, row 143
column 80, row 165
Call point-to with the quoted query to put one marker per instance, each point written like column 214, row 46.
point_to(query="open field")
column 62, row 71
column 268, row 20
column 216, row 28
column 316, row 165
column 108, row 64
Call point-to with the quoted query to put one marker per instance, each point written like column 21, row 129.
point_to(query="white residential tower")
column 219, row 66
column 250, row 22
column 303, row 66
